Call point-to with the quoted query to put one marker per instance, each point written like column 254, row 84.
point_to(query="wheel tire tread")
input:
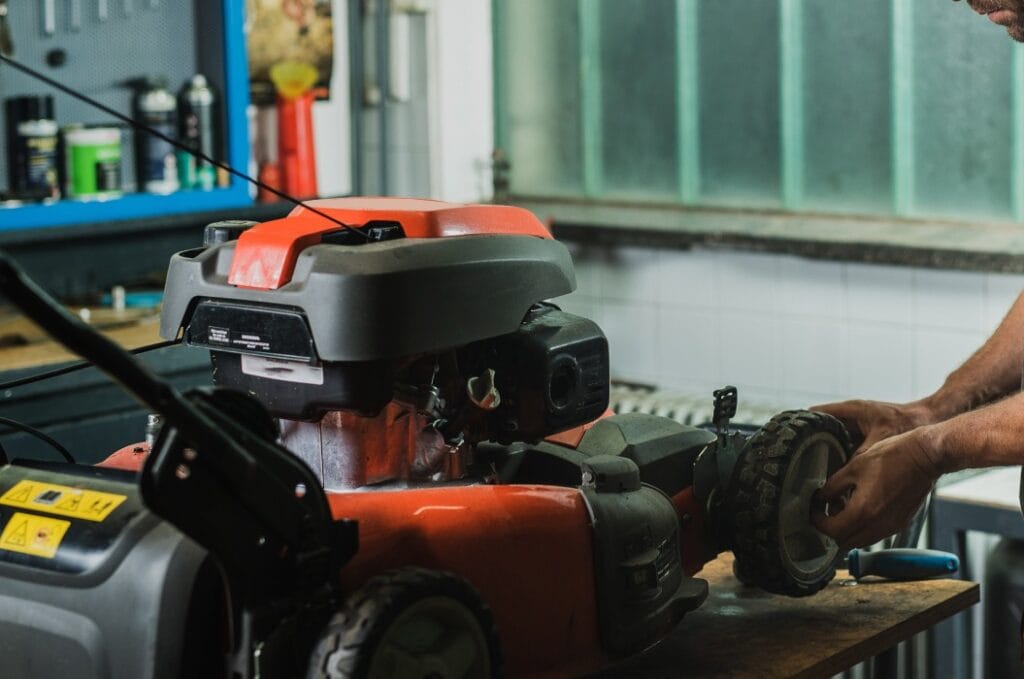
column 755, row 499
column 345, row 646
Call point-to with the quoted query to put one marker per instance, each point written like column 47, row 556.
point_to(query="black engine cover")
column 552, row 375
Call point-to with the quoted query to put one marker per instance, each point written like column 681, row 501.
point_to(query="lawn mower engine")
column 397, row 366
column 390, row 351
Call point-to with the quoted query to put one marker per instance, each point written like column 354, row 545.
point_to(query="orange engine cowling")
column 312, row 315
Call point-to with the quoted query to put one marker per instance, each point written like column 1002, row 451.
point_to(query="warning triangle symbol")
column 71, row 504
column 23, row 494
column 18, row 536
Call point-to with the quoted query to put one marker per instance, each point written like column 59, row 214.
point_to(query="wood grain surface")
column 744, row 632
column 43, row 353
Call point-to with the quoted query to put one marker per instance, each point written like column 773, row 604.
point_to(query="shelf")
column 128, row 206
column 219, row 42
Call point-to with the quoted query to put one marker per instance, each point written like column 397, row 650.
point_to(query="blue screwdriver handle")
column 902, row 564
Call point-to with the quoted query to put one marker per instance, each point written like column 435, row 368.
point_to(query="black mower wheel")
column 783, row 464
column 411, row 622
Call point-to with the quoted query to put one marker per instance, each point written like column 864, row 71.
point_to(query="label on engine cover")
column 242, row 329
column 279, row 369
column 78, row 503
column 33, row 534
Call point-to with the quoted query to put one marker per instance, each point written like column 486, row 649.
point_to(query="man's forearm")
column 991, row 373
column 986, row 437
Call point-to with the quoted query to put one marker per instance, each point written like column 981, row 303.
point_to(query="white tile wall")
column 881, row 361
column 630, row 275
column 811, row 288
column 879, row 293
column 783, row 329
column 1001, row 290
column 688, row 279
column 748, row 281
column 632, row 331
column 953, row 300
column 938, row 352
column 749, row 351
column 811, row 356
column 690, row 347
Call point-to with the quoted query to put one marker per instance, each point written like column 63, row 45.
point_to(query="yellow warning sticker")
column 52, row 498
column 33, row 534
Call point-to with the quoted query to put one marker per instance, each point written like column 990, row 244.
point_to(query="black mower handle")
column 259, row 476
column 80, row 338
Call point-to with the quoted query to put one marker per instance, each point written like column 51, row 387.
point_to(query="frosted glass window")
column 540, row 79
column 876, row 107
column 846, row 105
column 739, row 102
column 638, row 98
column 962, row 116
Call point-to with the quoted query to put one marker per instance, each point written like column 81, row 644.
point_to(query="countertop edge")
column 968, row 246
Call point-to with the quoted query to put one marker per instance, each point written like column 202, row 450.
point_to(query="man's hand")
column 872, row 421
column 879, row 490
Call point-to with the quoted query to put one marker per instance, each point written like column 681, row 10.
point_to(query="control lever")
column 726, row 400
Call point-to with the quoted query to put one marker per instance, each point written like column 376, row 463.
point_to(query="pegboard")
column 170, row 38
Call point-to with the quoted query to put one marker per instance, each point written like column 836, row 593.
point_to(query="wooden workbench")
column 130, row 328
column 744, row 632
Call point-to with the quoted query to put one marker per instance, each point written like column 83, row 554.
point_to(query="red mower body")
column 467, row 468
column 406, row 467
column 579, row 561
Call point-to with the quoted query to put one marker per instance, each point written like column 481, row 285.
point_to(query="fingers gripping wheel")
column 775, row 544
column 411, row 622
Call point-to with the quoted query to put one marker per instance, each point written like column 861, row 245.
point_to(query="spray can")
column 198, row 119
column 155, row 162
column 32, row 147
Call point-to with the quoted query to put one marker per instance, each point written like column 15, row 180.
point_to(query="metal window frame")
column 792, row 133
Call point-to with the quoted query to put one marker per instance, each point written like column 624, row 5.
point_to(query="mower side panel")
column 528, row 550
column 122, row 617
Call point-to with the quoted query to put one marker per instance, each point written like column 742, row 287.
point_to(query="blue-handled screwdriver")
column 902, row 564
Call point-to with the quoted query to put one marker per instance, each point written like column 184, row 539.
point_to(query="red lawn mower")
column 407, row 468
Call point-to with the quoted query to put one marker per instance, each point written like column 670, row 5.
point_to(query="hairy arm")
column 987, row 437
column 881, row 488
column 993, row 371
column 976, row 419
